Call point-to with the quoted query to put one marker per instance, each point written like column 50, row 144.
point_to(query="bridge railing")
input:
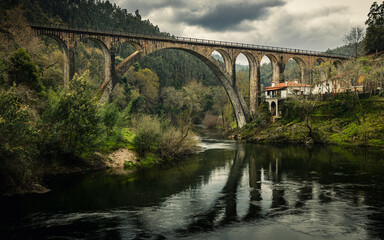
column 185, row 39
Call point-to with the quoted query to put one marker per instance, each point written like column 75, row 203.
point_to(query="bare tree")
column 354, row 37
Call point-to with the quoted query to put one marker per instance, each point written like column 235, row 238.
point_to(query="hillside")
column 348, row 50
column 349, row 118
column 174, row 68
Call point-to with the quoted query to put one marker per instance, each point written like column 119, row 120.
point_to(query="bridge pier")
column 281, row 64
column 70, row 64
column 109, row 74
column 254, row 88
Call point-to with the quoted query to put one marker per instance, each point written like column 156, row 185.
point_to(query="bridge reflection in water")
column 233, row 191
column 224, row 211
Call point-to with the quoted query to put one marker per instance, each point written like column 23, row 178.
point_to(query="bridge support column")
column 275, row 73
column 281, row 70
column 109, row 74
column 69, row 62
column 233, row 73
column 254, row 88
column 239, row 96
column 306, row 75
column 278, row 67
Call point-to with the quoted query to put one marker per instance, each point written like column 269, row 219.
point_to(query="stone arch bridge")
column 109, row 41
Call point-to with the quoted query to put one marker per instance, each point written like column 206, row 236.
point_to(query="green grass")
column 333, row 122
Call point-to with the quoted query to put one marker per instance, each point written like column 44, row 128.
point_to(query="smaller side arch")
column 319, row 75
column 136, row 45
column 227, row 59
column 109, row 69
column 275, row 67
column 304, row 73
column 318, row 60
column 69, row 70
column 254, row 81
column 338, row 65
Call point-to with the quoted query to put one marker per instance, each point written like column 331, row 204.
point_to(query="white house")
column 323, row 87
column 287, row 89
column 281, row 91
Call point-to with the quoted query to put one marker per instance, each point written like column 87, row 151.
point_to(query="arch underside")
column 66, row 54
column 254, row 81
column 238, row 104
column 302, row 66
column 275, row 67
column 237, row 100
column 225, row 56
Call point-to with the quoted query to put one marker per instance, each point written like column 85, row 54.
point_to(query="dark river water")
column 227, row 191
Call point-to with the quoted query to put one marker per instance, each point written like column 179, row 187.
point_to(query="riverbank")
column 118, row 160
column 337, row 122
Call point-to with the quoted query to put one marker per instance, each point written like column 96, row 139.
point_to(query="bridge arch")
column 109, row 66
column 238, row 104
column 302, row 68
column 254, row 80
column 275, row 67
column 241, row 75
column 317, row 74
column 134, row 44
column 317, row 61
column 67, row 62
column 226, row 58
column 107, row 56
column 338, row 65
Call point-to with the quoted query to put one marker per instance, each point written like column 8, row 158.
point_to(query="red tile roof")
column 340, row 75
column 283, row 85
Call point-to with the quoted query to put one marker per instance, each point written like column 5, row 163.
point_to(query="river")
column 229, row 190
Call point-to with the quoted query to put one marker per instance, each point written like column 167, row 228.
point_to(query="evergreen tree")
column 22, row 70
column 374, row 39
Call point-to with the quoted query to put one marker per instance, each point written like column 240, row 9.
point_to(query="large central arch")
column 238, row 103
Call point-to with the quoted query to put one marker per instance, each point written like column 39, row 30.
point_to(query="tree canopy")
column 374, row 39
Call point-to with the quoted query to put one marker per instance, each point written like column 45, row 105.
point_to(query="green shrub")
column 22, row 70
column 17, row 141
column 176, row 142
column 147, row 134
column 113, row 128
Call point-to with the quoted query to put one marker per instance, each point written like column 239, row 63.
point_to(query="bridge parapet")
column 215, row 43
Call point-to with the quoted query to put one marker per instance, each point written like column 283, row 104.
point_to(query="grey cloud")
column 294, row 30
column 225, row 16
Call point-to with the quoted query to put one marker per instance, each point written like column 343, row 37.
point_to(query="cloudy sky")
column 304, row 24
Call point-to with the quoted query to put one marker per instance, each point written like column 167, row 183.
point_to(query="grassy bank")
column 342, row 120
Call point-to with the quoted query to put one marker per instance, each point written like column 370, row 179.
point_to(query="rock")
column 118, row 157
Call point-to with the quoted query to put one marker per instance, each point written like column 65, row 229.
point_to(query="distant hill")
column 347, row 50
column 173, row 67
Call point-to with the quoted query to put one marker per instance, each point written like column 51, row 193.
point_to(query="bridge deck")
column 56, row 27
